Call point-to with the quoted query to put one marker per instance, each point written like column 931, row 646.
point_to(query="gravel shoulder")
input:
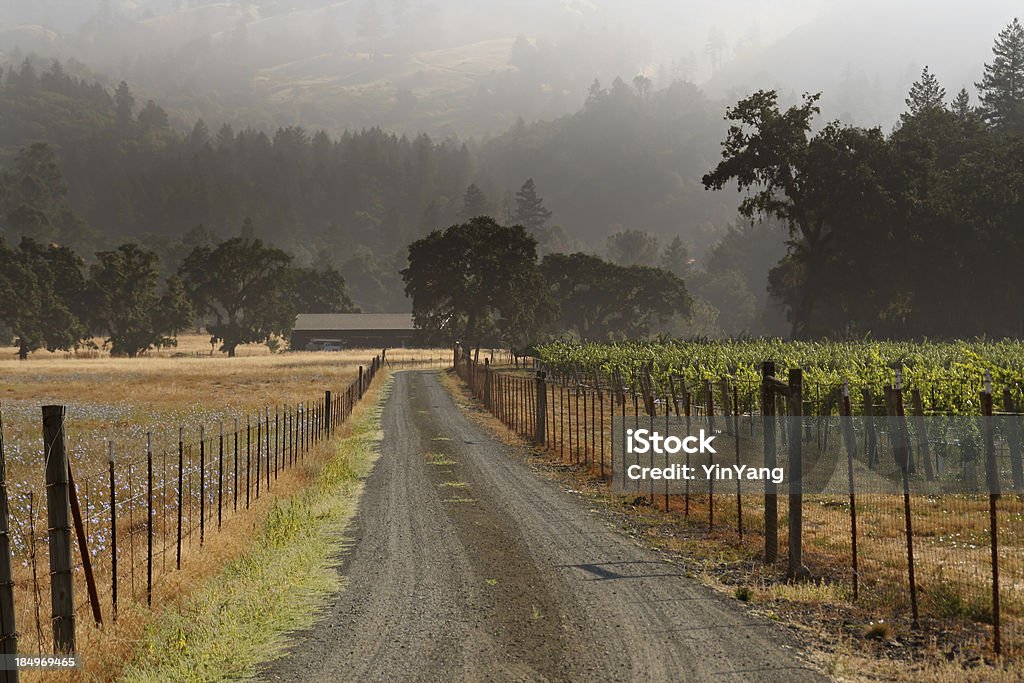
column 464, row 564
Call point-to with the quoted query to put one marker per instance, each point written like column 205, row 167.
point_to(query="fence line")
column 138, row 510
column 922, row 558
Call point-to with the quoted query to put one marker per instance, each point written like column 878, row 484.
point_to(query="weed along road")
column 465, row 564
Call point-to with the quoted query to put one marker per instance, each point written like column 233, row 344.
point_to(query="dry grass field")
column 119, row 401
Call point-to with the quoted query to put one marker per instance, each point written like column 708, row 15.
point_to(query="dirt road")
column 464, row 564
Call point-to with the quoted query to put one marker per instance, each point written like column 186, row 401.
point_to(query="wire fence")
column 137, row 521
column 920, row 521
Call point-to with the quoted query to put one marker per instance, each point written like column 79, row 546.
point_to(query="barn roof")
column 354, row 321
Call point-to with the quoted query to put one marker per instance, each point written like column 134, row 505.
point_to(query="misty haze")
column 326, row 328
column 384, row 112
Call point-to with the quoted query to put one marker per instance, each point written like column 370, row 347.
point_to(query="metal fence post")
column 541, row 411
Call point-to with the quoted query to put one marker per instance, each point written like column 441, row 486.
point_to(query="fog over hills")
column 456, row 67
column 343, row 130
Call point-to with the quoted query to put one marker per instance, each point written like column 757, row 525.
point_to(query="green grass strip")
column 239, row 619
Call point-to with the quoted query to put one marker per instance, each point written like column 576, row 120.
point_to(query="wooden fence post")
column 796, row 570
column 59, row 525
column 83, row 548
column 259, row 452
column 249, row 456
column 709, row 410
column 487, row 383
column 327, row 412
column 992, row 476
column 8, row 626
column 736, row 434
column 771, row 503
column 850, row 441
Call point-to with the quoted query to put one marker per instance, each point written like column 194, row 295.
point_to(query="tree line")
column 352, row 200
column 911, row 233
column 242, row 290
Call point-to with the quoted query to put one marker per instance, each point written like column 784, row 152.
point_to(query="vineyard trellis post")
column 1013, row 438
column 59, row 529
column 921, row 427
column 870, row 433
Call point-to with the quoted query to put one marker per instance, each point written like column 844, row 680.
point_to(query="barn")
column 336, row 331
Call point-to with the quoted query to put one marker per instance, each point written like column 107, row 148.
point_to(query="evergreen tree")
column 124, row 103
column 676, row 258
column 633, row 248
column 474, row 203
column 248, row 229
column 530, row 212
column 1002, row 85
column 153, row 116
column 962, row 105
column 926, row 95
column 33, row 199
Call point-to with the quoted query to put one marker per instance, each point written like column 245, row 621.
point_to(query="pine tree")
column 1002, row 86
column 530, row 212
column 962, row 105
column 926, row 95
column 124, row 103
column 676, row 258
column 474, row 203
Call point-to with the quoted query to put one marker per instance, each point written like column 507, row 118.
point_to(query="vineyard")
column 941, row 562
column 948, row 375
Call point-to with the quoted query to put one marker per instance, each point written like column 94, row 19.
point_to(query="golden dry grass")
column 120, row 400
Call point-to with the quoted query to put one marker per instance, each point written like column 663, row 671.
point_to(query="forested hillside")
column 630, row 159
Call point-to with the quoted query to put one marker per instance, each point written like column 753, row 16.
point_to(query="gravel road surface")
column 464, row 564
